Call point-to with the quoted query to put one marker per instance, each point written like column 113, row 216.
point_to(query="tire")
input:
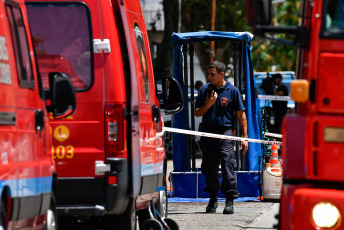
column 152, row 224
column 3, row 216
column 51, row 219
column 162, row 204
column 172, row 224
column 125, row 221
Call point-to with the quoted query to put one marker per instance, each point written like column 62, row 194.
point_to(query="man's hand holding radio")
column 211, row 98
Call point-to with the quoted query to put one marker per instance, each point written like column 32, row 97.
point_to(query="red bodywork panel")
column 151, row 146
column 121, row 75
column 84, row 138
column 305, row 152
column 26, row 164
column 25, row 151
column 313, row 143
column 298, row 202
column 330, row 93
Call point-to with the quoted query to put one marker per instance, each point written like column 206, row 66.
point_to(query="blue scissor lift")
column 187, row 181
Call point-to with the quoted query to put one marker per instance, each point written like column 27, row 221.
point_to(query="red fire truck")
column 27, row 170
column 313, row 138
column 109, row 154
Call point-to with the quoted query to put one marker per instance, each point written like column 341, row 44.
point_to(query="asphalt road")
column 247, row 215
column 192, row 216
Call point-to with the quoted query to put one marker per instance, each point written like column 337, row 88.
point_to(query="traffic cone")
column 274, row 162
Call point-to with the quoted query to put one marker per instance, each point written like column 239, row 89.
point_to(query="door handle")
column 155, row 113
column 39, row 119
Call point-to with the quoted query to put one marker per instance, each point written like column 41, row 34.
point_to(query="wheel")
column 51, row 220
column 162, row 204
column 172, row 224
column 168, row 142
column 3, row 215
column 152, row 224
column 125, row 221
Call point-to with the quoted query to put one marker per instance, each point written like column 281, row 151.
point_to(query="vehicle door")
column 150, row 147
column 63, row 34
column 8, row 113
column 35, row 166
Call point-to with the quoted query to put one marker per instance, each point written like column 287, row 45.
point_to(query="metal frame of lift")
column 188, row 48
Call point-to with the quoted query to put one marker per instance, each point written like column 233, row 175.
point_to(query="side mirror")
column 62, row 95
column 258, row 12
column 172, row 96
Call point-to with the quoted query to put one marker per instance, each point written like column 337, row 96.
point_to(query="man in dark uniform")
column 219, row 102
column 280, row 108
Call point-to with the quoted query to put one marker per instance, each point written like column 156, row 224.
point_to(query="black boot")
column 229, row 209
column 212, row 205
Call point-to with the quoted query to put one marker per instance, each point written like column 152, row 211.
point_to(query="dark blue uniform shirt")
column 222, row 113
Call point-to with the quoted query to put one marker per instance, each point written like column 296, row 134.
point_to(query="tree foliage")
column 164, row 61
column 268, row 55
column 230, row 16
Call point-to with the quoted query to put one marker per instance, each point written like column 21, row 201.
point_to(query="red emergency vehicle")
column 27, row 170
column 109, row 154
column 313, row 138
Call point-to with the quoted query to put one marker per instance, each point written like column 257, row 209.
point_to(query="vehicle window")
column 21, row 47
column 62, row 38
column 333, row 22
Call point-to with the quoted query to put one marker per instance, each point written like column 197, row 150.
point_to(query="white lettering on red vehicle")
column 5, row 73
column 4, row 158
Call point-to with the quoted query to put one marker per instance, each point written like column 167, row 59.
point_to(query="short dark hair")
column 198, row 83
column 277, row 75
column 220, row 66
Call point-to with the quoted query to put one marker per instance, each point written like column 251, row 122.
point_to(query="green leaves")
column 269, row 55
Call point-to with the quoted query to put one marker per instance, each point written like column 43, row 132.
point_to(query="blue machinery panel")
column 191, row 184
column 248, row 181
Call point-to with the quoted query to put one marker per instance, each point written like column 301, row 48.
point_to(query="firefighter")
column 219, row 102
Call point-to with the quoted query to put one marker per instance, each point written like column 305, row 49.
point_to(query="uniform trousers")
column 215, row 152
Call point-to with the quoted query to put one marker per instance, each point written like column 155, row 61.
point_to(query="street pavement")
column 247, row 215
column 192, row 216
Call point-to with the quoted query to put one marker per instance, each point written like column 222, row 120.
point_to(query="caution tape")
column 272, row 97
column 264, row 97
column 273, row 135
column 219, row 136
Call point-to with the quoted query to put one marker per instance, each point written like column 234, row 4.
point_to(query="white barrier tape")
column 274, row 98
column 264, row 97
column 219, row 136
column 273, row 135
